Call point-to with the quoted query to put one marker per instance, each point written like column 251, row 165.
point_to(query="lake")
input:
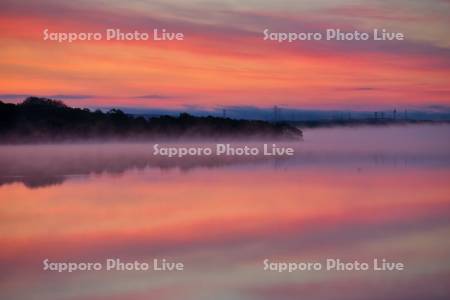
column 348, row 194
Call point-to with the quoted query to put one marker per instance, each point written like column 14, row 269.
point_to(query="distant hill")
column 46, row 120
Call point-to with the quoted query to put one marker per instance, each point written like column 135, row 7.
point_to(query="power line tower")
column 276, row 113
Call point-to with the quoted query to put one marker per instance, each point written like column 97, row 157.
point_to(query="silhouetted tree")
column 42, row 119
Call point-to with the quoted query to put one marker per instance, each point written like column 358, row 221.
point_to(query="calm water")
column 352, row 194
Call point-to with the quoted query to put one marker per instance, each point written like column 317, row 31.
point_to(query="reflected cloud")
column 223, row 217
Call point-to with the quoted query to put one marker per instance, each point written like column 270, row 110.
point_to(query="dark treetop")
column 46, row 120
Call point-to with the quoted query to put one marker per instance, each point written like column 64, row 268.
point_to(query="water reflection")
column 46, row 165
column 223, row 219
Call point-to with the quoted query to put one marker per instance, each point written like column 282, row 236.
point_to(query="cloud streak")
column 153, row 97
column 224, row 60
column 56, row 96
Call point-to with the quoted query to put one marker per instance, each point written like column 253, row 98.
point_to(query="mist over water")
column 344, row 147
column 348, row 193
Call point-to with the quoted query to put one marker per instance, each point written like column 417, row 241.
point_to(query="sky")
column 223, row 60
